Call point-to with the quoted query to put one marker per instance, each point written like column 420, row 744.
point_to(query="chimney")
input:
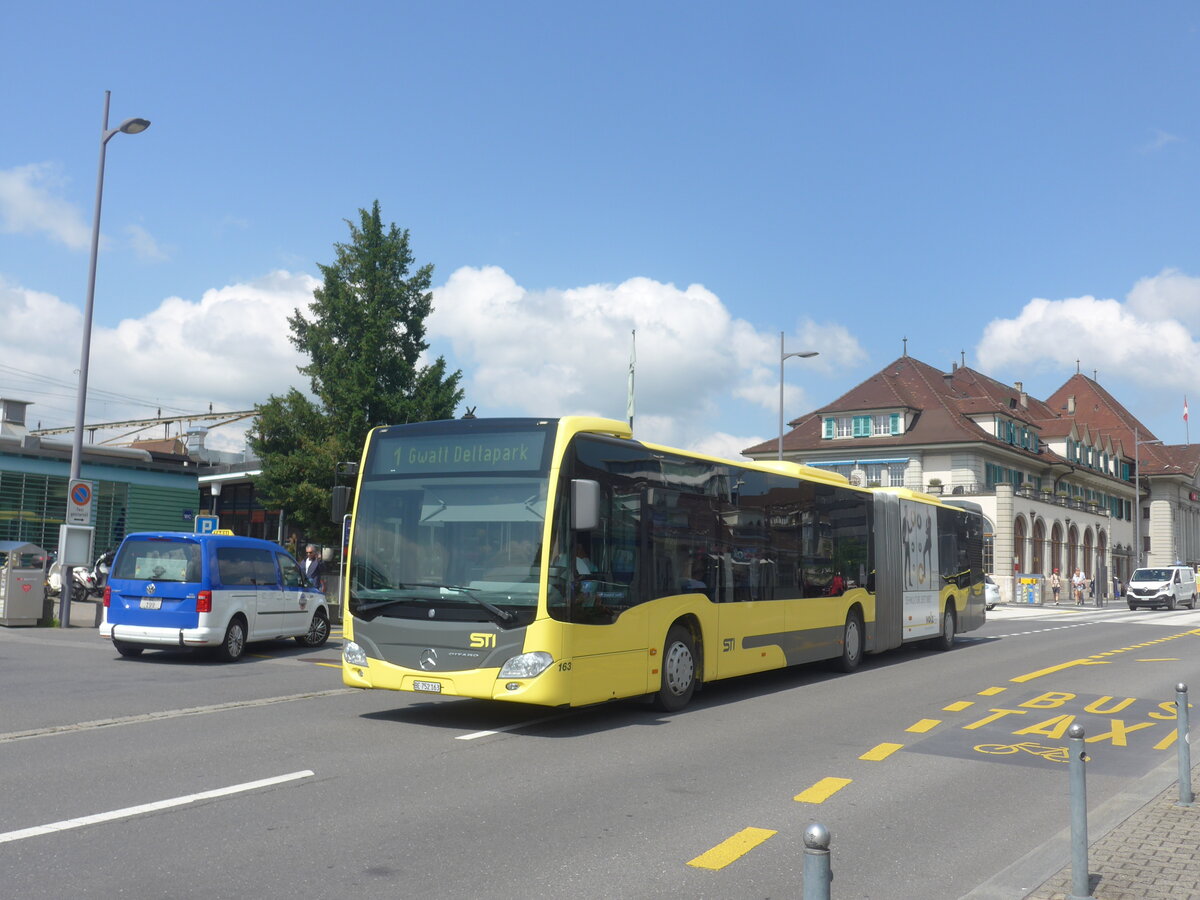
column 1020, row 386
column 1071, row 405
column 12, row 417
column 1024, row 398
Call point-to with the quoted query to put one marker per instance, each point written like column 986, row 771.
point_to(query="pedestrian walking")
column 1055, row 585
column 1078, row 583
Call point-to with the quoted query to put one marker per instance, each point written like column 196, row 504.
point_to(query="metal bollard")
column 1183, row 739
column 1080, row 882
column 818, row 875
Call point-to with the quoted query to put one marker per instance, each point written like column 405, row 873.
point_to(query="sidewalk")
column 84, row 613
column 1154, row 854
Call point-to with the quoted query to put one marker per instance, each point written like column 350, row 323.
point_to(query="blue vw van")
column 177, row 590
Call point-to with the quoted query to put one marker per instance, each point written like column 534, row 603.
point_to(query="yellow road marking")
column 924, row 725
column 1067, row 665
column 731, row 849
column 822, row 790
column 960, row 705
column 880, row 751
column 329, row 665
column 992, row 691
column 1160, row 659
column 1168, row 741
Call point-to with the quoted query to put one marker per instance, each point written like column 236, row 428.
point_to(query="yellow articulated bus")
column 560, row 562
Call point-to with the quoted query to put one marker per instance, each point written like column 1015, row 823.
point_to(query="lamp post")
column 803, row 354
column 129, row 126
column 1137, row 499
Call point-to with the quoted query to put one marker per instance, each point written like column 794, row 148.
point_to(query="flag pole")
column 1186, row 434
column 632, row 366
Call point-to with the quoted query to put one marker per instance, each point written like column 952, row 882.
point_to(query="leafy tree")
column 363, row 334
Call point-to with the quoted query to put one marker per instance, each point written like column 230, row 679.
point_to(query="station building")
column 1072, row 480
column 134, row 489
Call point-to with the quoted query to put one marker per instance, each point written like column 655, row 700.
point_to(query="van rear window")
column 158, row 561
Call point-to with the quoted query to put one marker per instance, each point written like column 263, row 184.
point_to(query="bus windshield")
column 453, row 541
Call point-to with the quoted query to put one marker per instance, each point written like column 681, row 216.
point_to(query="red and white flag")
column 1185, row 409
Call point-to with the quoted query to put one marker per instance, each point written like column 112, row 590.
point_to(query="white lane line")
column 479, row 734
column 130, row 811
column 166, row 714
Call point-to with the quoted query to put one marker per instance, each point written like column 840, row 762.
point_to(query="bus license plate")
column 434, row 687
column 148, row 603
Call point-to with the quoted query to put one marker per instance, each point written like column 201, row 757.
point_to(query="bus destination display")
column 496, row 452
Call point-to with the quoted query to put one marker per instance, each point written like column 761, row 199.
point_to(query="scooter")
column 87, row 582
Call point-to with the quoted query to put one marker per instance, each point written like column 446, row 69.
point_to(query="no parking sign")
column 79, row 503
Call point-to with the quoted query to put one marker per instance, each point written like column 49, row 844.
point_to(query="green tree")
column 364, row 334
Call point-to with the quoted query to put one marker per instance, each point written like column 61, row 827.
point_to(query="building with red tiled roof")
column 1057, row 479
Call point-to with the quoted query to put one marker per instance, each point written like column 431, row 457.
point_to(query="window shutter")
column 895, row 423
column 829, row 428
column 862, row 426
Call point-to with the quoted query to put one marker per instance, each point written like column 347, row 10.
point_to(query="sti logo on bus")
column 479, row 639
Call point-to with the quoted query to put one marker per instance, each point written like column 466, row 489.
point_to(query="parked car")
column 172, row 590
column 991, row 592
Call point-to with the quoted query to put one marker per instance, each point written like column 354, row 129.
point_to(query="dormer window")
column 862, row 426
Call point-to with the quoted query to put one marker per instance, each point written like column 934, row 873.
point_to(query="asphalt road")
column 175, row 776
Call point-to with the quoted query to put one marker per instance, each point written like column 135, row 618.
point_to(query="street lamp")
column 129, row 126
column 803, row 354
column 1137, row 499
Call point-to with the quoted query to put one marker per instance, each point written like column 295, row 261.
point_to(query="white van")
column 1165, row 586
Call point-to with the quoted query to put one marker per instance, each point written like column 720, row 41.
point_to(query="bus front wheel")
column 678, row 670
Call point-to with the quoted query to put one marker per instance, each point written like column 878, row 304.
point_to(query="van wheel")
column 235, row 641
column 852, row 643
column 1132, row 605
column 678, row 670
column 949, row 623
column 318, row 631
column 128, row 650
column 1171, row 602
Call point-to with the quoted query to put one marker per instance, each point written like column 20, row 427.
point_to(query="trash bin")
column 22, row 583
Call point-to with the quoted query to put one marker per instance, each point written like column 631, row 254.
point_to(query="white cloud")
column 557, row 352
column 144, row 244
column 704, row 377
column 230, row 348
column 1147, row 339
column 724, row 445
column 28, row 205
column 1161, row 139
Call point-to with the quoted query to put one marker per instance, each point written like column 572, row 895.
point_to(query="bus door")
column 607, row 639
column 750, row 616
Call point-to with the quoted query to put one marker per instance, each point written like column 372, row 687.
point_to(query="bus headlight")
column 527, row 665
column 353, row 654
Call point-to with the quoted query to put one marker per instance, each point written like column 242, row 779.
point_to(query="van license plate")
column 148, row 603
column 434, row 687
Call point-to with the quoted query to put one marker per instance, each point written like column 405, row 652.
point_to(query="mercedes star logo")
column 428, row 659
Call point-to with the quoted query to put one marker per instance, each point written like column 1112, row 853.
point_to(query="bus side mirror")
column 585, row 504
column 340, row 502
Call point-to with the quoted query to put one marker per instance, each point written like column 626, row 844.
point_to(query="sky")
column 1010, row 185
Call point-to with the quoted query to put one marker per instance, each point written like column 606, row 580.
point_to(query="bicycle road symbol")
column 1054, row 754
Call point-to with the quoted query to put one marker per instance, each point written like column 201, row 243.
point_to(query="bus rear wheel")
column 852, row 643
column 949, row 625
column 678, row 670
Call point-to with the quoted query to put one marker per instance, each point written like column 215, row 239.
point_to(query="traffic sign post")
column 205, row 524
